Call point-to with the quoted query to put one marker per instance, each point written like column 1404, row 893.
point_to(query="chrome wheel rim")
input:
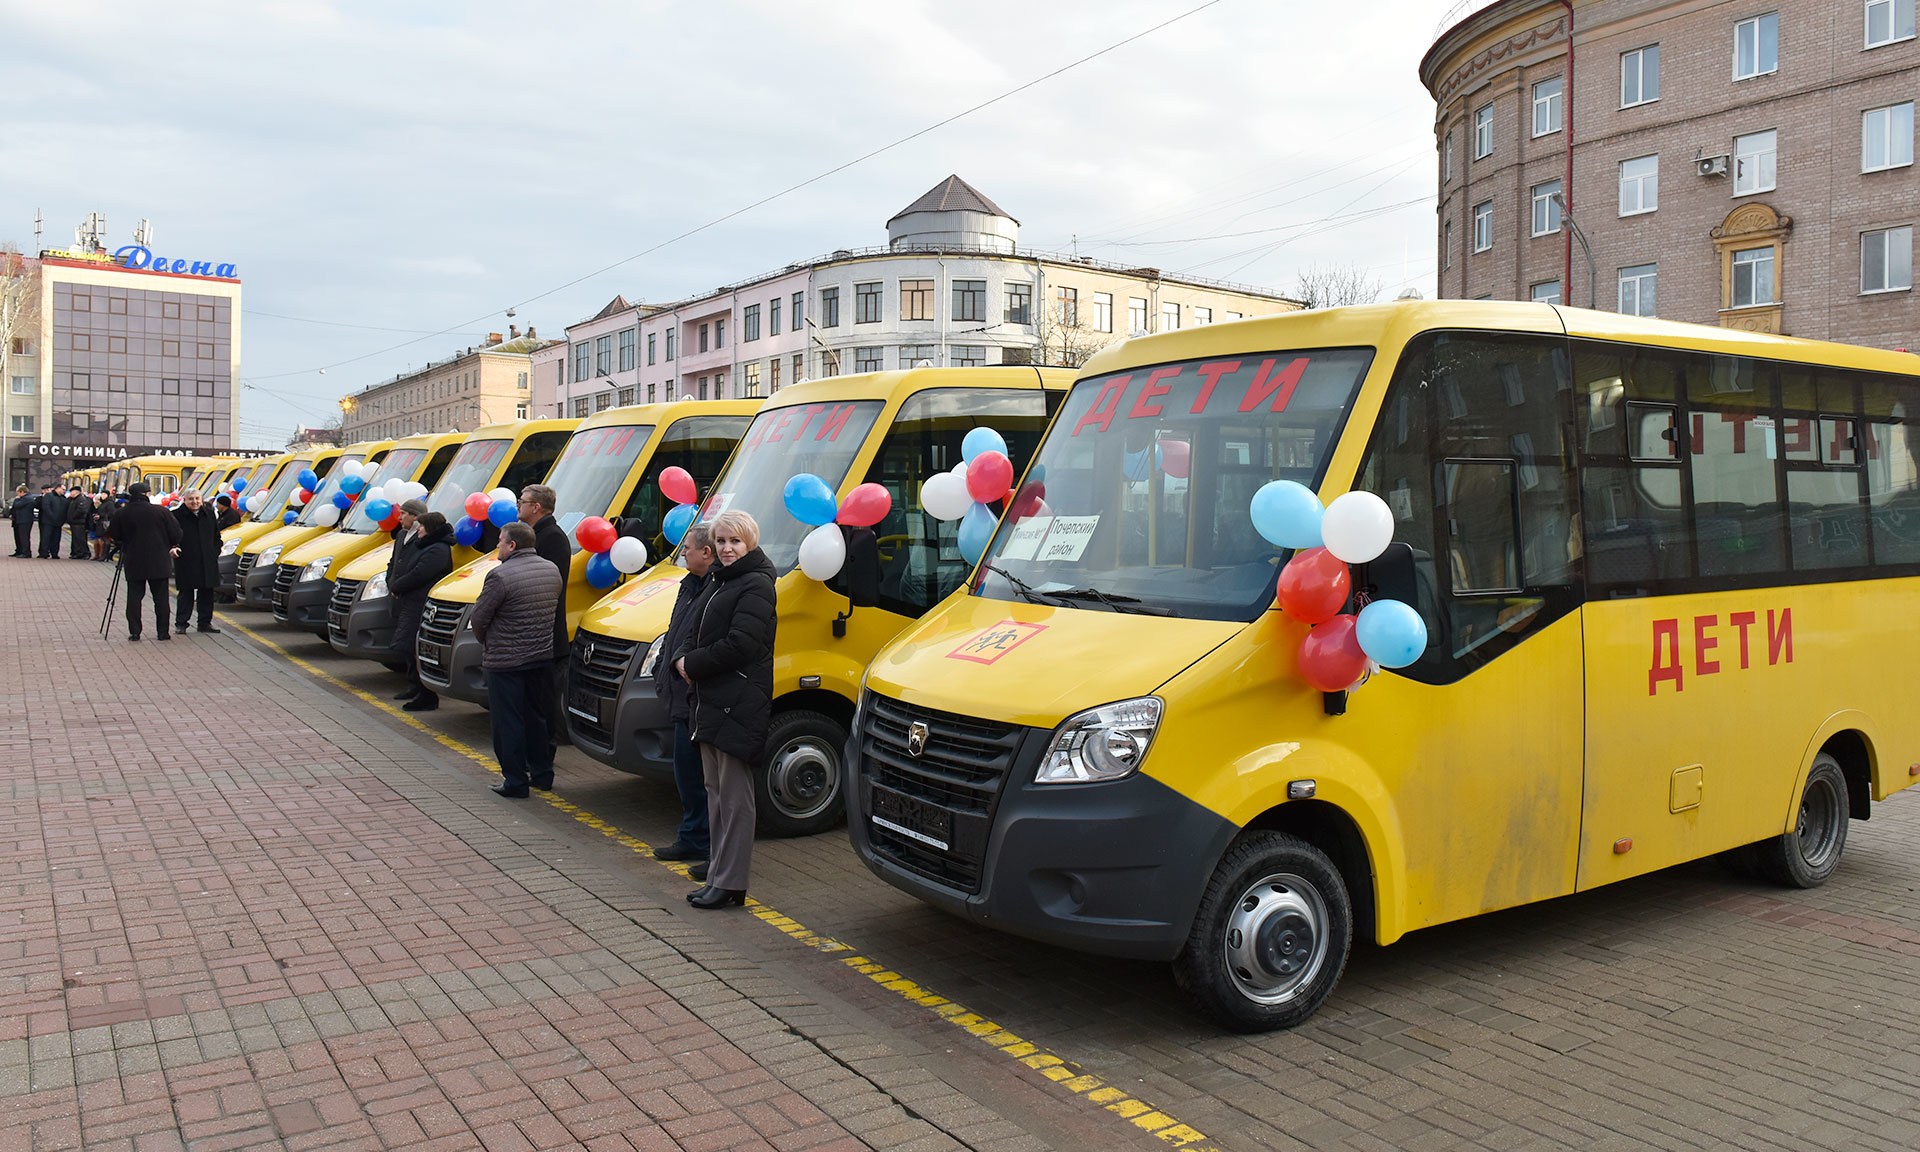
column 1817, row 831
column 1276, row 938
column 803, row 778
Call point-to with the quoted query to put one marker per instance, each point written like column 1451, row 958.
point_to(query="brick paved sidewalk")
column 234, row 914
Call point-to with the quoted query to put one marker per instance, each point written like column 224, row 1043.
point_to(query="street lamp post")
column 1593, row 285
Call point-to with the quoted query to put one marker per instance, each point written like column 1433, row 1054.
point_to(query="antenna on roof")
column 143, row 235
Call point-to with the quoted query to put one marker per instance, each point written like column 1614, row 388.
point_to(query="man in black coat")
column 53, row 517
column 693, row 840
column 79, row 516
column 422, row 557
column 198, row 568
column 537, row 502
column 224, row 512
column 23, row 511
column 149, row 539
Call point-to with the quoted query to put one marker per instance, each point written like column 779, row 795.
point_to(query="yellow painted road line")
column 1063, row 1072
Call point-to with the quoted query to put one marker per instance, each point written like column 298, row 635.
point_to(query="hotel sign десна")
column 140, row 259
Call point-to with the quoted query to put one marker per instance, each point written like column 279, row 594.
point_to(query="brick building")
column 481, row 385
column 1744, row 164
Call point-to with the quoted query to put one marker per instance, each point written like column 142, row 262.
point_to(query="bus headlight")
column 229, row 547
column 651, row 658
column 316, row 570
column 376, row 588
column 1105, row 743
column 270, row 557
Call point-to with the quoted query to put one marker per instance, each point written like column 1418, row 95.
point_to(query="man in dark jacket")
column 53, row 518
column 149, row 539
column 198, row 568
column 537, row 502
column 513, row 620
column 23, row 511
column 224, row 513
column 422, row 557
column 79, row 517
column 688, row 776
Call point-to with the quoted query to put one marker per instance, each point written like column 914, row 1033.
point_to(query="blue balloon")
column 342, row 501
column 467, row 531
column 1037, row 474
column 600, row 571
column 810, row 500
column 976, row 530
column 309, row 479
column 353, row 485
column 503, row 513
column 1392, row 634
column 379, row 509
column 982, row 440
column 289, row 517
column 239, row 485
column 679, row 519
column 1288, row 514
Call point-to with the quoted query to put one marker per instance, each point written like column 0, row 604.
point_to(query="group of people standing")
column 54, row 510
column 156, row 544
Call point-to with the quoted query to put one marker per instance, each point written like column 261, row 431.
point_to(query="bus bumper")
column 454, row 669
column 306, row 606
column 363, row 629
column 626, row 729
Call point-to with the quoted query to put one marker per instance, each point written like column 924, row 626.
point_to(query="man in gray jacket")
column 513, row 620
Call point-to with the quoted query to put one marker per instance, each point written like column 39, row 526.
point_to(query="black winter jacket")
column 416, row 567
column 198, row 565
column 512, row 618
column 146, row 534
column 24, row 509
column 53, row 510
column 729, row 656
column 79, row 511
column 667, row 684
column 550, row 540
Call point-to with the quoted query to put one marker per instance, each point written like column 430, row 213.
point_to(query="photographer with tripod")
column 149, row 539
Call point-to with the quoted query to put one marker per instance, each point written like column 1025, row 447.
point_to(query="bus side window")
column 534, row 460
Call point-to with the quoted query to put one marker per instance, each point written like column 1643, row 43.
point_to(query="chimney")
column 532, row 332
column 492, row 339
column 513, row 331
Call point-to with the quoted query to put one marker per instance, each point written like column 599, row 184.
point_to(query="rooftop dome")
column 953, row 214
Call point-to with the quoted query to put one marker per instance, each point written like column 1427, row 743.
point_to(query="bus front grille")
column 283, row 578
column 344, row 592
column 598, row 668
column 955, row 779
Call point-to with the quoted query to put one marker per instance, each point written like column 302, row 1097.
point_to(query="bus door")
column 1483, row 735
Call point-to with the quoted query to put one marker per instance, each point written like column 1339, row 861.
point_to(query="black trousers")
column 23, row 538
column 187, row 597
column 138, row 591
column 516, row 702
column 50, row 540
column 77, row 547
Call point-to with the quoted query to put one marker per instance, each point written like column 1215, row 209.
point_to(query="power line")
column 787, row 191
column 339, row 324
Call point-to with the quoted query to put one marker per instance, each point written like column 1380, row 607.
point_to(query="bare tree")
column 19, row 317
column 1064, row 342
column 1335, row 285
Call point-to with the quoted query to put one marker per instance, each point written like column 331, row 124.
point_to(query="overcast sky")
column 380, row 171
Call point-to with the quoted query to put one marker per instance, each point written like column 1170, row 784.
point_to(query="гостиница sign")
column 139, row 259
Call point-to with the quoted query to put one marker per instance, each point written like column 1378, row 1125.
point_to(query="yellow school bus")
column 278, row 477
column 161, row 474
column 512, row 455
column 1655, row 563
column 610, row 468
column 259, row 558
column 890, row 428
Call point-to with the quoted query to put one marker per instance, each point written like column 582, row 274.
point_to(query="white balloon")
column 628, row 554
column 945, row 496
column 823, row 552
column 960, row 469
column 327, row 515
column 1357, row 527
column 415, row 491
column 499, row 494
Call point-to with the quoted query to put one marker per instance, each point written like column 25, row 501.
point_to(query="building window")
column 22, row 425
column 705, row 331
column 799, row 311
column 1446, row 158
column 916, row 300
column 1546, row 106
column 625, row 397
column 1639, row 185
column 1169, row 317
column 1546, row 292
column 829, row 363
column 1201, row 315
column 203, row 427
column 579, row 406
column 829, row 307
column 520, row 410
column 23, row 386
column 169, row 386
column 116, row 383
column 170, row 310
column 1019, row 304
column 1640, row 76
column 651, row 348
column 1066, row 307
column 627, row 340
column 1637, row 288
column 169, row 424
column 1753, row 162
column 117, row 344
column 750, row 323
column 582, row 352
column 522, row 382
column 670, row 343
column 1886, row 259
column 81, row 342
column 1756, row 46
column 1483, row 226
column 1136, row 316
column 799, row 367
column 719, row 333
column 205, row 312
column 22, row 346
column 1446, row 245
column 918, row 355
column 1483, row 133
column 750, row 380
column 970, row 300
column 869, row 359
column 773, row 316
column 866, row 303
column 82, row 302
column 1103, row 311
column 1889, row 20
column 1546, row 208
column 1753, row 277
column 968, row 357
column 773, row 374
column 1886, row 137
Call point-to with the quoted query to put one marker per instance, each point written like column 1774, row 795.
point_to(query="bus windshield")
column 780, row 444
column 328, row 486
column 1138, row 499
column 472, row 467
column 401, row 464
column 588, row 474
column 282, row 490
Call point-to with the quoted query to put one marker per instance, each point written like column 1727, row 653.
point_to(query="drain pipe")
column 1566, row 241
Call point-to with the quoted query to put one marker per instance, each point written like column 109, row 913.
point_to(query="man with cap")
column 24, row 509
column 53, row 518
column 149, row 539
column 198, row 567
column 224, row 513
column 79, row 516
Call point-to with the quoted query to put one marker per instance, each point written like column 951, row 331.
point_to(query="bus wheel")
column 797, row 792
column 1270, row 938
column 1806, row 856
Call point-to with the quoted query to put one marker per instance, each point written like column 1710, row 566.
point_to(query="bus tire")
column 796, row 786
column 1270, row 938
column 1806, row 856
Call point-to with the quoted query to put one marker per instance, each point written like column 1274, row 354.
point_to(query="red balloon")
column 865, row 506
column 390, row 523
column 302, row 495
column 1314, row 585
column 1176, row 458
column 477, row 506
column 1330, row 656
column 1028, row 501
column 677, row 485
column 989, row 476
column 596, row 534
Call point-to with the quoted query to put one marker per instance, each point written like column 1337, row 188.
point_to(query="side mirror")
column 1391, row 576
column 859, row 578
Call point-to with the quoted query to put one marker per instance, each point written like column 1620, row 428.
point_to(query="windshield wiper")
column 1114, row 603
column 1027, row 592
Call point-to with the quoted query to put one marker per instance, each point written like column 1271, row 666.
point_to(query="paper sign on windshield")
column 1024, row 541
column 1068, row 538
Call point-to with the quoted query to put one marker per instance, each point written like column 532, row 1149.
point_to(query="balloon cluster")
column 810, row 500
column 353, row 481
column 677, row 485
column 609, row 554
column 1355, row 529
column 383, row 503
column 984, row 475
column 498, row 508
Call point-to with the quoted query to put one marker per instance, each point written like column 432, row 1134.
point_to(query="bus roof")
column 886, row 385
column 630, row 415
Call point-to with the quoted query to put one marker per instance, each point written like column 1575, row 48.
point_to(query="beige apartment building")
column 482, row 385
column 1744, row 163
